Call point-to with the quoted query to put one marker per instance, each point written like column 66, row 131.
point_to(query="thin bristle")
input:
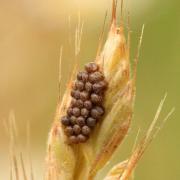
column 142, row 146
column 163, row 122
column 60, row 73
column 13, row 131
column 11, row 168
column 129, row 36
column 122, row 14
column 78, row 35
column 13, row 137
column 151, row 128
column 114, row 6
column 15, row 167
column 137, row 57
column 23, row 167
column 9, row 132
column 31, row 169
column 28, row 141
column 69, row 33
column 136, row 140
column 101, row 37
column 48, row 173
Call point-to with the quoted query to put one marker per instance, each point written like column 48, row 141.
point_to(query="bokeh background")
column 31, row 33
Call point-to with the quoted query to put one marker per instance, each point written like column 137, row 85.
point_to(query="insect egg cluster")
column 86, row 106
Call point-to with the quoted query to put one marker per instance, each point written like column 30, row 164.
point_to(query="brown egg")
column 88, row 87
column 79, row 75
column 81, row 121
column 73, row 102
column 86, row 130
column 73, row 120
column 84, row 95
column 69, row 111
column 76, row 111
column 99, row 87
column 81, row 138
column 75, row 94
column 84, row 112
column 83, row 76
column 91, row 122
column 69, row 130
column 79, row 103
column 88, row 104
column 100, row 110
column 65, row 121
column 96, row 99
column 73, row 139
column 76, row 129
column 79, row 85
column 91, row 67
column 95, row 114
column 96, row 77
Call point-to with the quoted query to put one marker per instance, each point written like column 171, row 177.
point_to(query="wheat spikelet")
column 83, row 161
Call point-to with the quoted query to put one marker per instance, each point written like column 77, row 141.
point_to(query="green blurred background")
column 31, row 34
